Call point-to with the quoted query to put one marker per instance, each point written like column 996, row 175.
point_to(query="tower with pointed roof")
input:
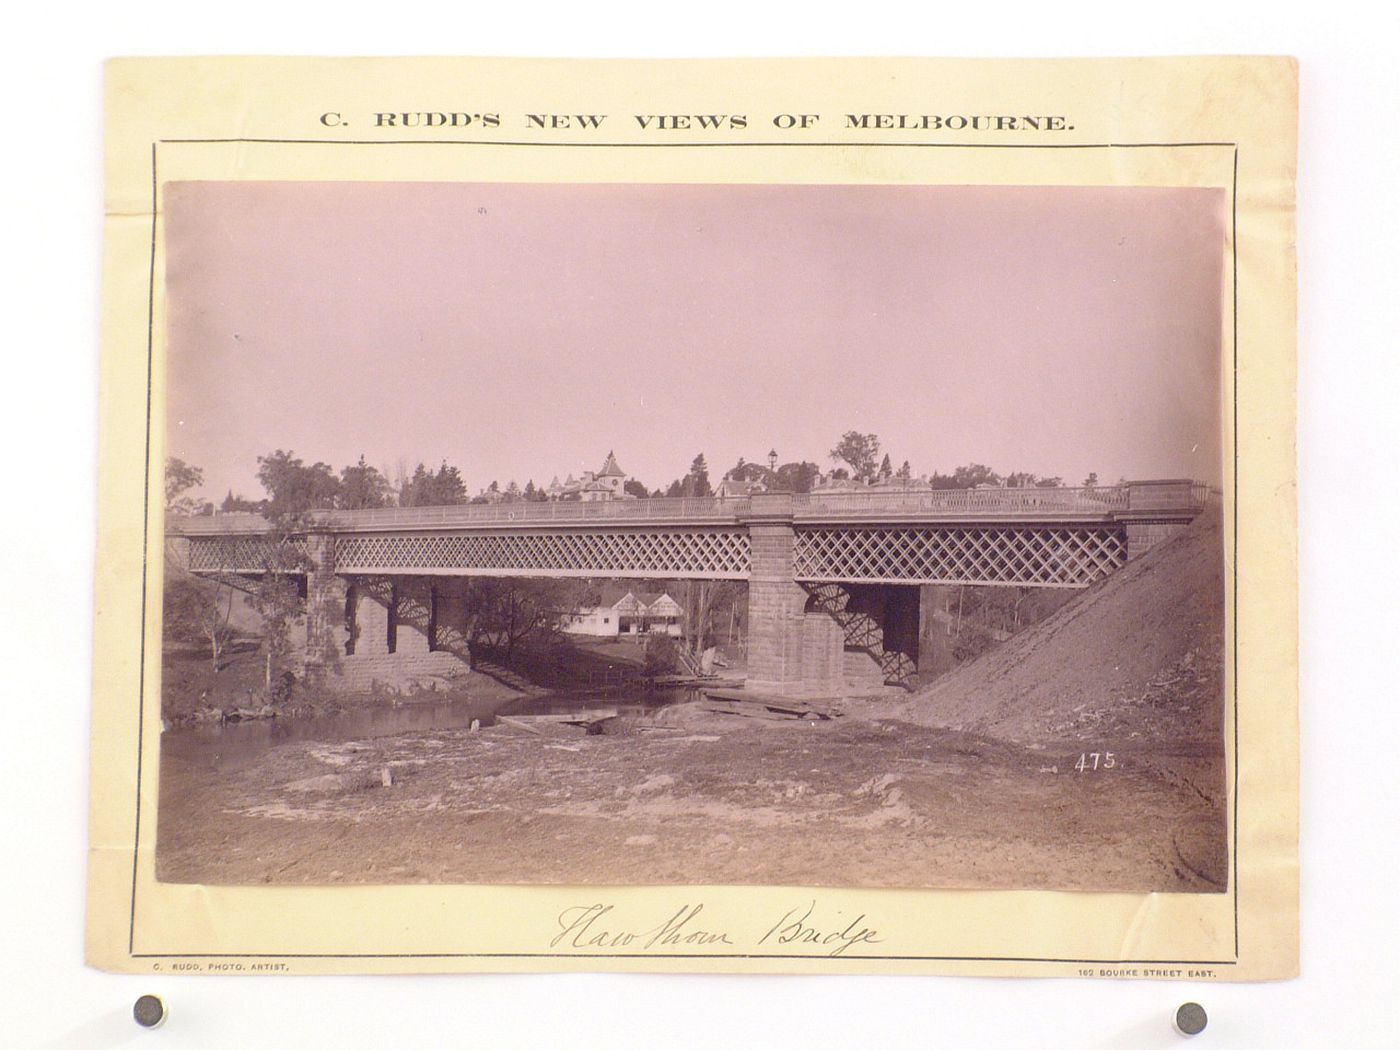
column 609, row 481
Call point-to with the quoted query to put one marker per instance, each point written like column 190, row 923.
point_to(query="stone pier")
column 813, row 639
column 365, row 633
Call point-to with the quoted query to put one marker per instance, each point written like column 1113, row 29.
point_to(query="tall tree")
column 180, row 477
column 697, row 482
column 886, row 470
column 278, row 601
column 362, row 487
column 859, row 452
column 293, row 487
column 426, row 488
column 796, row 477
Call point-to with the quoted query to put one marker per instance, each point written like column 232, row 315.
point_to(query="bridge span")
column 826, row 571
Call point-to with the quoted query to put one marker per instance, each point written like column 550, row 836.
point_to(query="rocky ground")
column 852, row 802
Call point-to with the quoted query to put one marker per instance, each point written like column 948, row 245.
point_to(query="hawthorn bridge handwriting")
column 599, row 927
column 822, row 568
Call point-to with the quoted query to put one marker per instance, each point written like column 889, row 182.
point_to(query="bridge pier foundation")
column 777, row 609
column 325, row 609
column 375, row 632
column 821, row 639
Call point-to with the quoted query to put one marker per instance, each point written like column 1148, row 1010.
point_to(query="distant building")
column 830, row 483
column 622, row 612
column 738, row 488
column 608, row 483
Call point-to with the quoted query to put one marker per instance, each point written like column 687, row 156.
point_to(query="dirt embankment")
column 1138, row 659
column 713, row 799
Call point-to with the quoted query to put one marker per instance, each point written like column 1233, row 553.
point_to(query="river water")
column 237, row 744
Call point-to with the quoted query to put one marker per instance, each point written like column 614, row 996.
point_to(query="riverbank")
column 691, row 797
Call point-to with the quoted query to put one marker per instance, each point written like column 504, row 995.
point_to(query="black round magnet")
column 1190, row 1019
column 149, row 1011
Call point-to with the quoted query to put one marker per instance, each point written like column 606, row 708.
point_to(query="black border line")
column 1235, row 574
column 150, row 365
column 145, row 547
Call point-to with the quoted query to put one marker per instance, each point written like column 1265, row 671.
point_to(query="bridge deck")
column 877, row 506
column 1020, row 537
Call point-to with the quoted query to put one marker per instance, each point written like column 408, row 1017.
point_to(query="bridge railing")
column 1096, row 500
column 819, row 505
column 689, row 509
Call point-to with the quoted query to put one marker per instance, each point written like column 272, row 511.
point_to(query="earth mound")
column 1138, row 657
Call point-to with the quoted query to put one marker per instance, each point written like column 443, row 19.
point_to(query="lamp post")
column 773, row 460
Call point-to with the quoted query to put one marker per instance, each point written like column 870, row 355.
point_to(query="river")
column 237, row 744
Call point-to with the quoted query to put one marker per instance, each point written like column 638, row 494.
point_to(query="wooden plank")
column 796, row 707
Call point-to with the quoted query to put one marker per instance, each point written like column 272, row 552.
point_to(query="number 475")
column 1092, row 761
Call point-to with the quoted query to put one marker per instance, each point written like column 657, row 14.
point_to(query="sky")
column 522, row 331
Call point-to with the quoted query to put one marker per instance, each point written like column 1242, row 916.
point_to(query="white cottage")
column 621, row 612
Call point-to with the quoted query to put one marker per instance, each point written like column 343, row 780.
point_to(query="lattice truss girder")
column 1031, row 556
column 245, row 554
column 696, row 553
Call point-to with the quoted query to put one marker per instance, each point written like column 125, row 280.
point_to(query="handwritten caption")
column 599, row 926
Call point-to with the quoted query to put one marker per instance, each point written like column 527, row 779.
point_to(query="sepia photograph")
column 694, row 534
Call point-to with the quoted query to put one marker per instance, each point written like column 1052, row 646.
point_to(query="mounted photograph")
column 630, row 534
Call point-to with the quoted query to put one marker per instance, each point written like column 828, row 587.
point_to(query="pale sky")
column 522, row 331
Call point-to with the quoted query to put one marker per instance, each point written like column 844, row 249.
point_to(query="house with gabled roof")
column 623, row 612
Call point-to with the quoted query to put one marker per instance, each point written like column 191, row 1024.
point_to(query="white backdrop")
column 51, row 115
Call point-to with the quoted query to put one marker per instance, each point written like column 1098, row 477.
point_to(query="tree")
column 974, row 474
column 448, row 487
column 198, row 611
column 697, row 482
column 701, row 600
column 180, row 477
column 676, row 488
column 859, row 452
column 362, row 487
column 280, row 605
column 750, row 472
column 426, row 488
column 293, row 488
column 278, row 601
column 634, row 487
column 796, row 477
column 904, row 473
column 886, row 470
column 505, row 613
column 241, row 504
column 1092, row 480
